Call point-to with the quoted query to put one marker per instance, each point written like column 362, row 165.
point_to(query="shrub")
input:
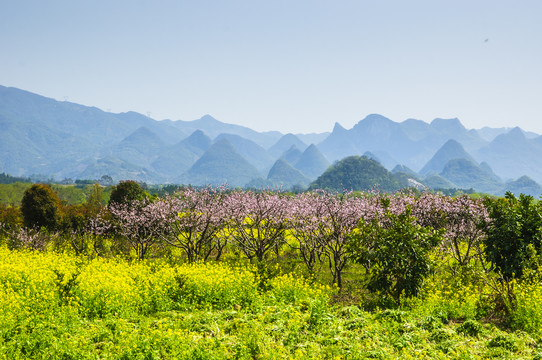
column 396, row 252
column 503, row 341
column 40, row 207
column 441, row 335
column 515, row 224
column 127, row 192
column 431, row 323
column 470, row 328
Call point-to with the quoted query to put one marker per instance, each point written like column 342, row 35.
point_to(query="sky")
column 289, row 65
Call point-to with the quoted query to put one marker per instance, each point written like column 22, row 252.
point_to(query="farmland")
column 213, row 273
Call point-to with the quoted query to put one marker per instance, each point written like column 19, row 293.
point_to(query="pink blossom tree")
column 197, row 223
column 323, row 224
column 141, row 223
column 463, row 219
column 259, row 221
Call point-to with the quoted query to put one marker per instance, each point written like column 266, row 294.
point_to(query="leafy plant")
column 126, row 192
column 514, row 225
column 470, row 328
column 503, row 341
column 395, row 251
column 40, row 207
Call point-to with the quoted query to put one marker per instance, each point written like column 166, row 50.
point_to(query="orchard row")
column 396, row 238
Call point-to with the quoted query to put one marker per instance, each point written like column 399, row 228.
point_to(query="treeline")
column 8, row 179
column 62, row 208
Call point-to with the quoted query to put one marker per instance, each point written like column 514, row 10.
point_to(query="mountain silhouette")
column 449, row 151
column 285, row 143
column 312, row 163
column 284, row 174
column 220, row 164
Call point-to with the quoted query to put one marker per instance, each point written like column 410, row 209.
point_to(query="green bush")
column 503, row 341
column 396, row 251
column 470, row 328
column 515, row 224
column 40, row 207
column 127, row 192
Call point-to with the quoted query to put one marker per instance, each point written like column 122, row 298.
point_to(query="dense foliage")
column 517, row 224
column 357, row 173
column 40, row 207
column 396, row 253
column 127, row 192
column 8, row 179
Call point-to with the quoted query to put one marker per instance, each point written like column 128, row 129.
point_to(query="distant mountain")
column 524, row 185
column 292, row 155
column 220, row 164
column 92, row 124
column 312, row 163
column 449, row 126
column 404, row 169
column 358, row 173
column 435, row 181
column 383, row 158
column 119, row 170
column 468, row 175
column 40, row 135
column 489, row 133
column 418, row 130
column 312, row 138
column 174, row 161
column 212, row 127
column 406, row 180
column 375, row 133
column 512, row 155
column 407, row 177
column 285, row 143
column 410, row 142
column 140, row 147
column 166, row 131
column 449, row 151
column 285, row 175
column 43, row 137
column 27, row 148
column 338, row 144
column 453, row 129
column 197, row 142
column 489, row 171
column 372, row 156
column 254, row 153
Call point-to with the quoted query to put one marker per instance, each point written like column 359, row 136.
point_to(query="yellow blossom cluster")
column 217, row 285
column 292, row 289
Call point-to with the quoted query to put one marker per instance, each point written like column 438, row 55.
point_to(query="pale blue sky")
column 293, row 66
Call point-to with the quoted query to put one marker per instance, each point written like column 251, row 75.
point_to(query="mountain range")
column 43, row 136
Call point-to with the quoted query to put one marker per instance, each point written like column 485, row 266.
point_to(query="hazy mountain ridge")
column 283, row 174
column 220, row 164
column 39, row 135
column 449, row 151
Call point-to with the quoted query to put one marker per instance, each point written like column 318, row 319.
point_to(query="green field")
column 212, row 274
column 58, row 306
